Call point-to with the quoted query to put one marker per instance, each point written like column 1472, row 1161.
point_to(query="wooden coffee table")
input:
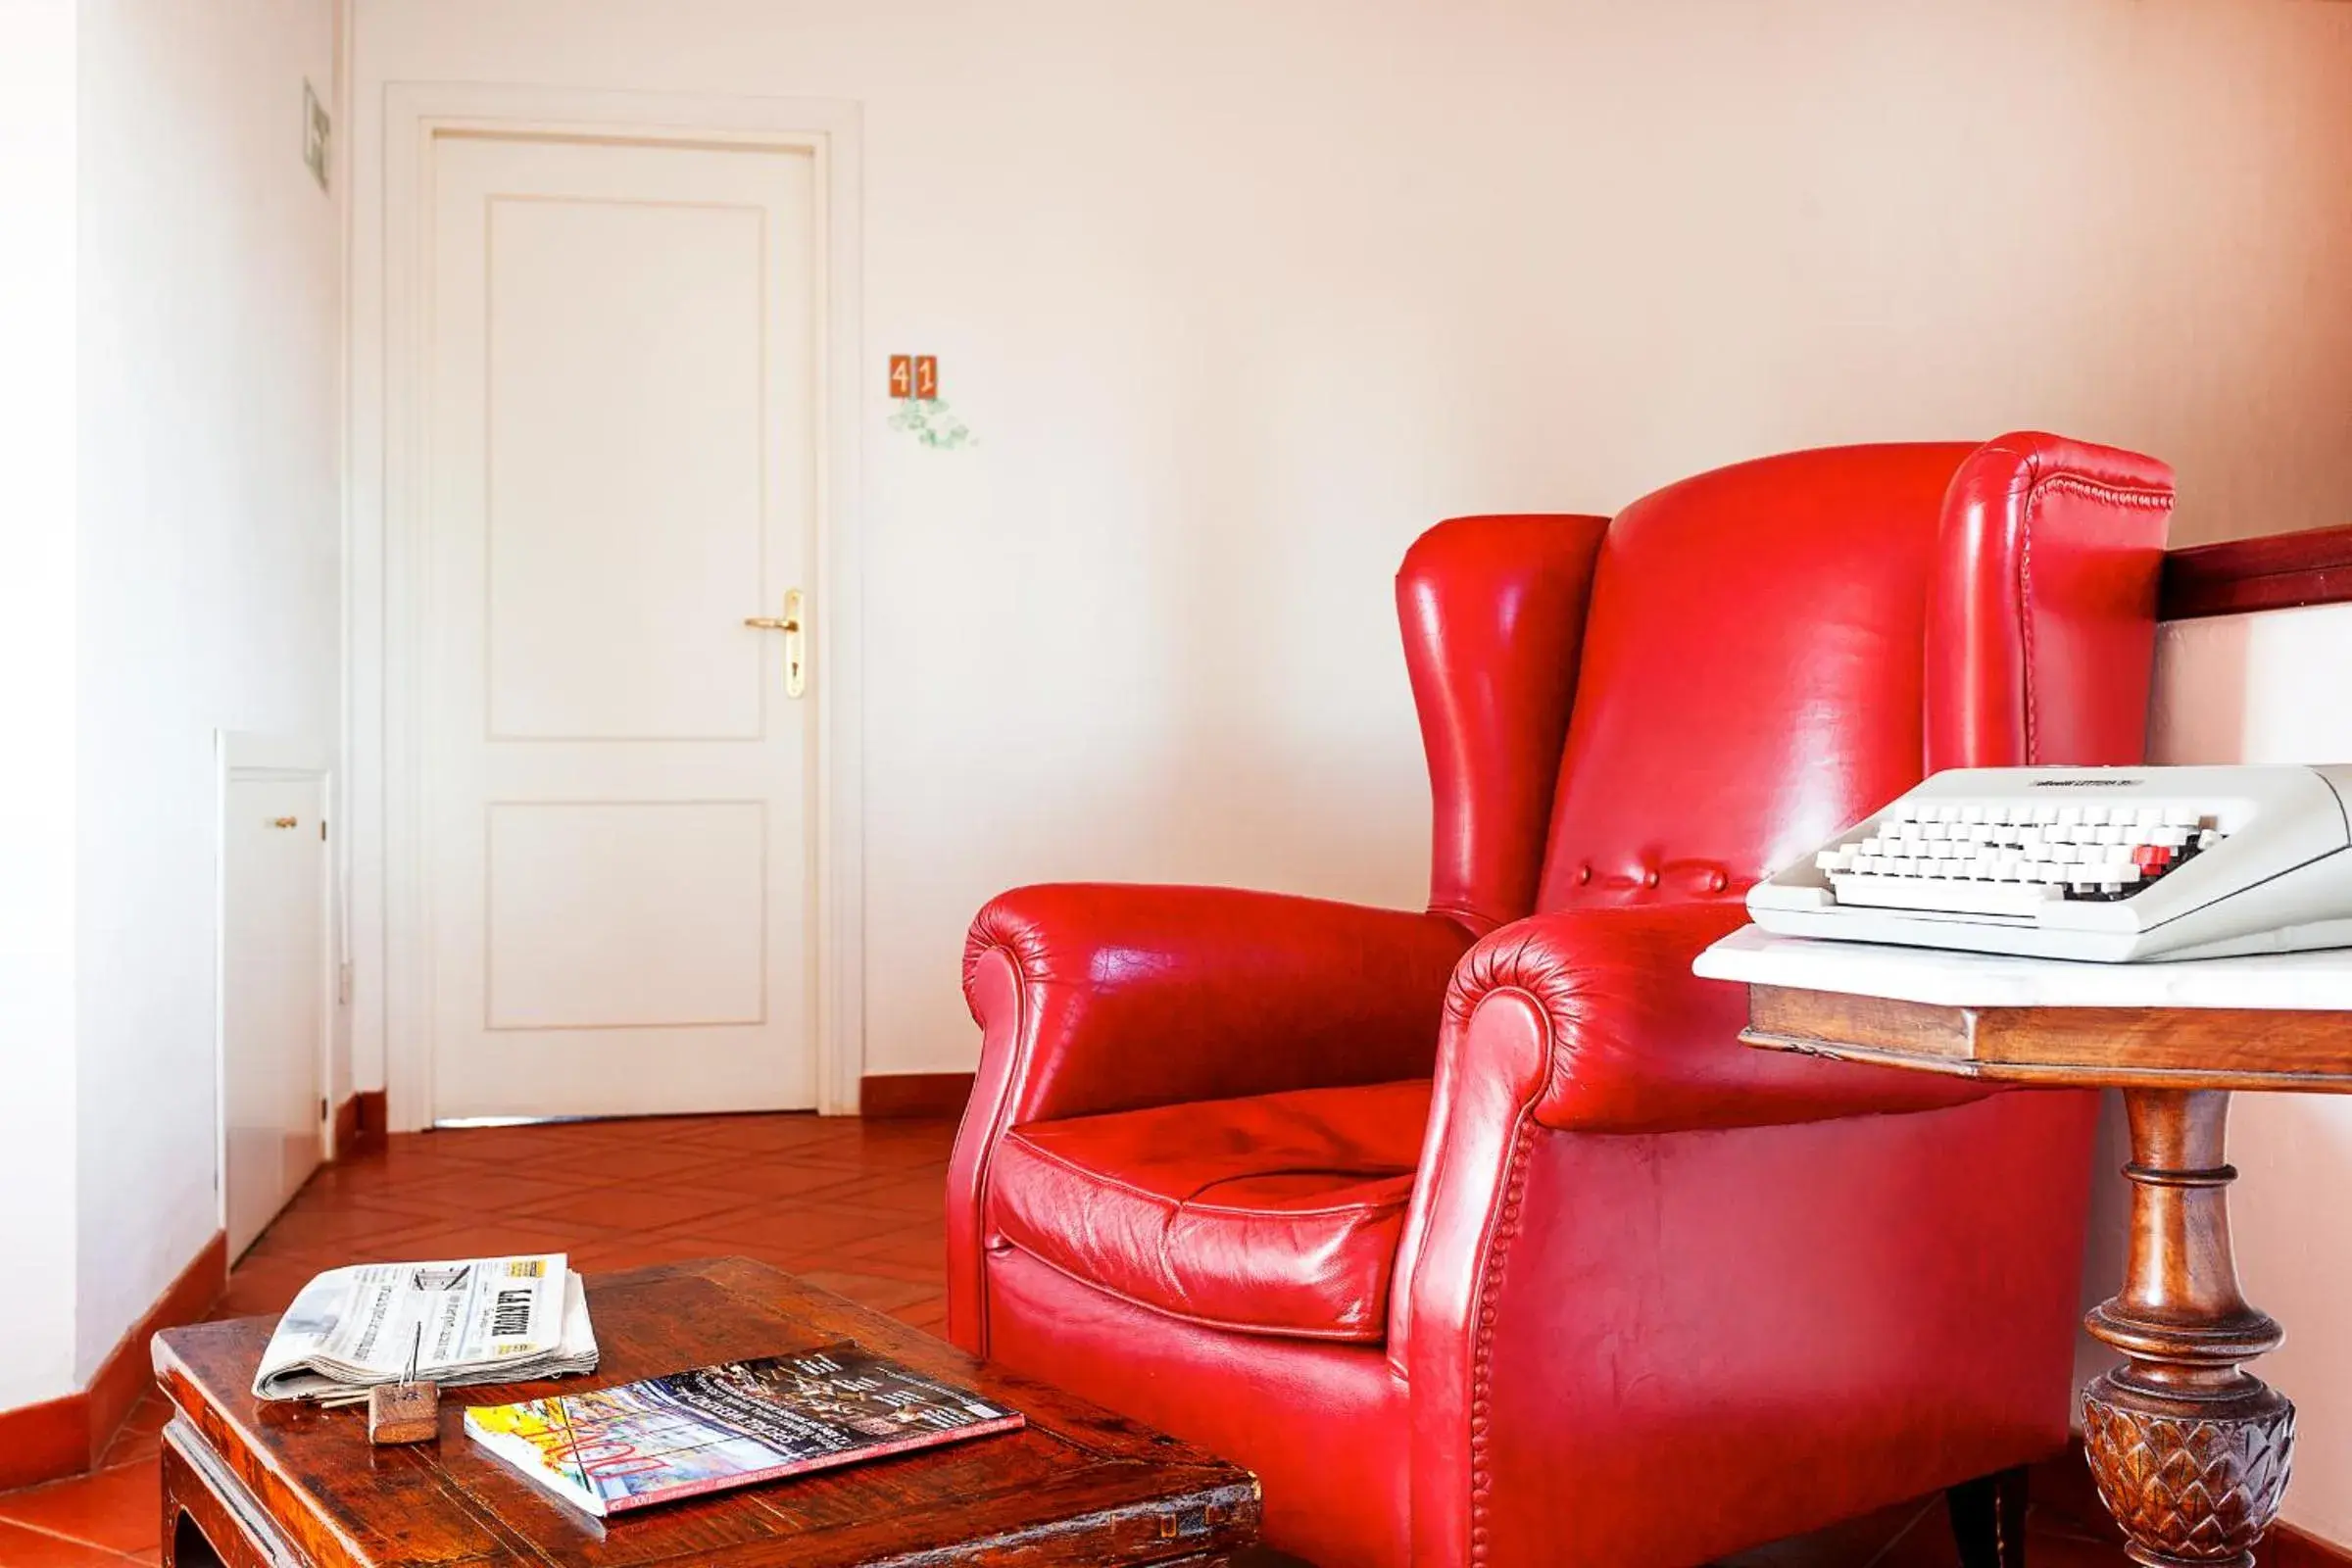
column 257, row 1485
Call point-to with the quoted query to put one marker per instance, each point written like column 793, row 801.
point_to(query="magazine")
column 609, row 1450
column 452, row 1322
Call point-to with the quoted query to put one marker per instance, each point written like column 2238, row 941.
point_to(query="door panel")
column 272, row 997
column 625, row 510
column 685, row 951
column 620, row 422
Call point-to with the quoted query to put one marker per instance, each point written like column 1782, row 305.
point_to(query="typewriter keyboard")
column 2006, row 857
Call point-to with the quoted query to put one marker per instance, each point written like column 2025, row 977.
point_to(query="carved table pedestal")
column 2190, row 1451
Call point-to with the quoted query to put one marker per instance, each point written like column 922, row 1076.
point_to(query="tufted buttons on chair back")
column 1750, row 678
column 1664, row 706
column 1774, row 649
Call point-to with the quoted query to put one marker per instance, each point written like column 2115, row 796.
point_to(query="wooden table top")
column 1079, row 1484
column 2280, row 1022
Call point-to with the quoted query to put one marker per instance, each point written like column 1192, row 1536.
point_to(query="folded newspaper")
column 470, row 1320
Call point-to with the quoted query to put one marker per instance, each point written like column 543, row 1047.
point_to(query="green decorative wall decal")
column 932, row 422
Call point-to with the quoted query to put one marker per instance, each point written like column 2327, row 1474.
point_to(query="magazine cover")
column 609, row 1450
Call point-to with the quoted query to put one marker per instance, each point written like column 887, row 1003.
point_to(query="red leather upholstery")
column 1099, row 999
column 1493, row 614
column 1682, row 1345
column 2043, row 654
column 1274, row 1214
column 1658, row 1297
column 1326, row 1425
column 1636, row 1045
column 1738, row 1322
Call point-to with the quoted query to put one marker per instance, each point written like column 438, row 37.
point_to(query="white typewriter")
column 2106, row 863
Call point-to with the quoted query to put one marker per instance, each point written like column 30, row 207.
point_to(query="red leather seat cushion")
column 1275, row 1214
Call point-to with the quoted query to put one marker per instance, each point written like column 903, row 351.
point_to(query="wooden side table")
column 2190, row 1451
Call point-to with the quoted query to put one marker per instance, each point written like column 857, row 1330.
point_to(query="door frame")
column 242, row 757
column 396, row 582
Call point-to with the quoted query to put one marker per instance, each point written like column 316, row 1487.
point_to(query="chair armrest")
column 1632, row 1041
column 1590, row 1021
column 1095, row 998
column 1621, row 1212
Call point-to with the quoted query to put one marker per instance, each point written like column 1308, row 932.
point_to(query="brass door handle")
column 796, row 660
column 285, row 822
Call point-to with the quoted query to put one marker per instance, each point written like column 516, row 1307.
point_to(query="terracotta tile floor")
column 853, row 1206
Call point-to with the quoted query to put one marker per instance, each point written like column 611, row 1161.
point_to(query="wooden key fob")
column 407, row 1411
column 404, row 1412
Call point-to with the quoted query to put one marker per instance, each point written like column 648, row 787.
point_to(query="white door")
column 273, row 957
column 620, row 407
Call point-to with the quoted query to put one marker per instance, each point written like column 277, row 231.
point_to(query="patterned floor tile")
column 140, row 1436
column 118, row 1509
column 633, row 1210
column 795, row 1229
column 21, row 1547
column 760, row 1176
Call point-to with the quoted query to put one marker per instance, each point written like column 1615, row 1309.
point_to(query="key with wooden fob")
column 407, row 1411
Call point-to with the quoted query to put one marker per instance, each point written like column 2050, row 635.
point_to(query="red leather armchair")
column 1474, row 1232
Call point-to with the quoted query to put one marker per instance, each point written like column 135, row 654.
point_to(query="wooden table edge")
column 2042, row 1075
column 2152, row 1046
column 222, row 1506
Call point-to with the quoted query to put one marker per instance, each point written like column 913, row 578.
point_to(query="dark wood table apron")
column 286, row 1485
column 2189, row 1450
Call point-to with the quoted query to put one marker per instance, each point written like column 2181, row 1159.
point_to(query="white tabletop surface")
column 2291, row 982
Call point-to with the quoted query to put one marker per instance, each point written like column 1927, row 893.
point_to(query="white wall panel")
column 208, row 567
column 37, row 806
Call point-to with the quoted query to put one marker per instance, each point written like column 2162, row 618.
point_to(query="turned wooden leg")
column 1989, row 1520
column 2189, row 1450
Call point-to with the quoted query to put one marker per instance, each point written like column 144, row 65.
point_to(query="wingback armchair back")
column 1474, row 1231
column 1666, row 704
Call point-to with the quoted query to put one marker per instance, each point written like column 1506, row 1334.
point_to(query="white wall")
column 210, row 568
column 1240, row 297
column 37, row 698
column 2273, row 688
